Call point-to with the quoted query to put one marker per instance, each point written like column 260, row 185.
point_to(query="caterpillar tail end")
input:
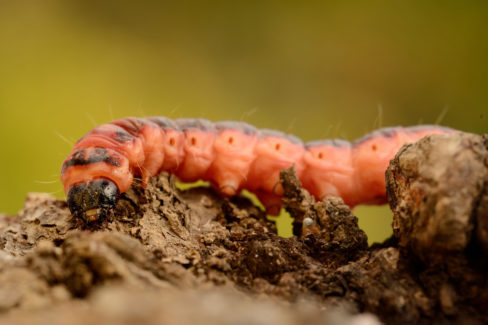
column 93, row 200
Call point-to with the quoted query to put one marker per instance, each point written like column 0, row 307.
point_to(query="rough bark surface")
column 175, row 257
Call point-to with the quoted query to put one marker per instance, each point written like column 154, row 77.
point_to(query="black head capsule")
column 93, row 200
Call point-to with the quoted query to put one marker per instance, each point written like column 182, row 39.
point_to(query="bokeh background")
column 317, row 69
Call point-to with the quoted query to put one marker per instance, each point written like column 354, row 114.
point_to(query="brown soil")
column 185, row 257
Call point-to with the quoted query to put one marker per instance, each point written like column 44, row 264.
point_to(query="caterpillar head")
column 92, row 200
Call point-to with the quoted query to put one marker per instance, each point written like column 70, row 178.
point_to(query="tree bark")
column 170, row 256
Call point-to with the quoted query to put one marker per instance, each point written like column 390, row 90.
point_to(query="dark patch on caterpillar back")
column 111, row 131
column 99, row 155
column 195, row 124
column 123, row 136
column 387, row 132
column 338, row 143
column 131, row 125
column 163, row 122
column 244, row 127
column 265, row 133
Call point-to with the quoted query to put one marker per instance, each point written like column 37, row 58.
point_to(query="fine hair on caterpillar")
column 231, row 156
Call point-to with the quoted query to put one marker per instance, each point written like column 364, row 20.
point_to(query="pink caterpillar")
column 231, row 156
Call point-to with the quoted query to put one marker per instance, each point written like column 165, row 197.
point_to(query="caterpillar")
column 230, row 155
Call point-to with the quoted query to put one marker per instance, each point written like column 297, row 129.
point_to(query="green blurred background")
column 313, row 68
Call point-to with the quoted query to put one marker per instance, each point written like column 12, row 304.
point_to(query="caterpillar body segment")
column 230, row 155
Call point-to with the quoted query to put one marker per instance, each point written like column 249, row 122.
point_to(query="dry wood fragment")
column 175, row 257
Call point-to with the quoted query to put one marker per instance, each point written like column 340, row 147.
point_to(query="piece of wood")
column 169, row 256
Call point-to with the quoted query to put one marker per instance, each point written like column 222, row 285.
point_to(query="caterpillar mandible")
column 230, row 155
